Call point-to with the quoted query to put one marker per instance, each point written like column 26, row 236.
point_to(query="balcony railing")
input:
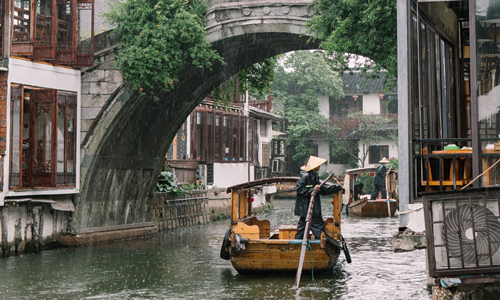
column 437, row 169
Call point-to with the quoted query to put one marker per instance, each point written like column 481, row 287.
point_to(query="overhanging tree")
column 158, row 38
column 365, row 28
column 366, row 130
column 299, row 82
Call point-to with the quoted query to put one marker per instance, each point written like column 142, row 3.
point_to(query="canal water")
column 185, row 264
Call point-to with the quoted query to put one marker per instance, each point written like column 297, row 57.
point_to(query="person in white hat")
column 379, row 180
column 306, row 184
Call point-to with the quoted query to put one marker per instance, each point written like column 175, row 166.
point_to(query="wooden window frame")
column 381, row 148
column 33, row 174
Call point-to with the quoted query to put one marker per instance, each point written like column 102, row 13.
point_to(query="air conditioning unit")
column 466, row 232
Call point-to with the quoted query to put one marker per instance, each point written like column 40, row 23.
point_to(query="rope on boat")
column 308, row 245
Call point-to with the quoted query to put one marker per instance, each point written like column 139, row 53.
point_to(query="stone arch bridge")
column 125, row 136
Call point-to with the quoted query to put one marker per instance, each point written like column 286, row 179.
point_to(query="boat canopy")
column 262, row 182
column 360, row 170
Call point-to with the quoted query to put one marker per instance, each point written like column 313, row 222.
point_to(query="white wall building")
column 364, row 95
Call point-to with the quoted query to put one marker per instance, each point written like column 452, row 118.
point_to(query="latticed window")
column 43, row 150
column 266, row 155
column 218, row 137
column 59, row 31
column 376, row 153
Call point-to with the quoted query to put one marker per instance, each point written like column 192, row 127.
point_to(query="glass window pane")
column 263, row 128
column 225, row 137
column 15, row 160
column 43, row 127
column 249, row 123
column 243, row 138
column 235, row 144
column 210, row 136
column 21, row 21
column 255, row 143
column 71, row 142
column 64, row 25
column 218, row 137
column 200, row 135
column 488, row 84
column 43, row 28
column 61, row 114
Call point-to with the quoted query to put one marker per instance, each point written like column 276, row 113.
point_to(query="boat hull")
column 283, row 256
column 372, row 208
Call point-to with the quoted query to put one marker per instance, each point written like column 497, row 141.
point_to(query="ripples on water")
column 185, row 264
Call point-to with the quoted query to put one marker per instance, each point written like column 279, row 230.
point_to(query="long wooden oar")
column 306, row 233
column 387, row 191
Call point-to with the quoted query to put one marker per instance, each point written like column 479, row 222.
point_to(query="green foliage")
column 258, row 77
column 192, row 186
column 367, row 180
column 299, row 80
column 221, row 217
column 394, row 163
column 224, row 93
column 158, row 38
column 325, row 175
column 370, row 132
column 167, row 183
column 360, row 27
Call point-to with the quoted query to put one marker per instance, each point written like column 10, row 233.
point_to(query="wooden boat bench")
column 287, row 232
column 253, row 228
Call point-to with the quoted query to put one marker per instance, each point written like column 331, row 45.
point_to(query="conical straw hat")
column 314, row 162
column 384, row 161
column 303, row 168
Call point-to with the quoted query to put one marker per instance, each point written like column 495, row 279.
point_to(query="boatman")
column 358, row 191
column 306, row 184
column 379, row 180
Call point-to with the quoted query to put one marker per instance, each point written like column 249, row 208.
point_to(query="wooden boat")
column 252, row 246
column 366, row 207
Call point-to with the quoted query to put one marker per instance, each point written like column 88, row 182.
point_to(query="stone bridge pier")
column 125, row 136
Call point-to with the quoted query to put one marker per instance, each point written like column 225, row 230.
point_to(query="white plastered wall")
column 371, row 104
column 229, row 174
column 393, row 151
column 324, row 105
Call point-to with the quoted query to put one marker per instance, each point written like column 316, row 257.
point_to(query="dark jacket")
column 380, row 173
column 304, row 188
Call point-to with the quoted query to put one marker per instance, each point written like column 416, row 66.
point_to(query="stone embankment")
column 189, row 208
column 167, row 212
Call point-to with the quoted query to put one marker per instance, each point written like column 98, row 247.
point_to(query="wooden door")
column 42, row 138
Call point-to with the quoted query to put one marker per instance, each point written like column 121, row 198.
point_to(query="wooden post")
column 387, row 191
column 242, row 199
column 337, row 205
column 249, row 201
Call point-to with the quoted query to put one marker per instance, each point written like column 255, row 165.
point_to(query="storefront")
column 449, row 125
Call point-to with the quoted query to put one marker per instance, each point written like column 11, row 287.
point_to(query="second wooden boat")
column 373, row 208
column 366, row 207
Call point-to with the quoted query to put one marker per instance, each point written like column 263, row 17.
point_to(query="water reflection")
column 185, row 264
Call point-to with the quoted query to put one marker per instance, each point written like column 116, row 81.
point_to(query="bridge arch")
column 125, row 145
